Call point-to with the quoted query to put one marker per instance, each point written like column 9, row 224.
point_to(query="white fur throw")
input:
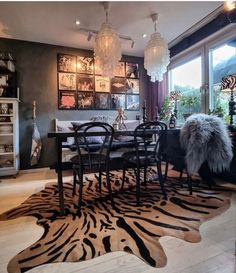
column 206, row 138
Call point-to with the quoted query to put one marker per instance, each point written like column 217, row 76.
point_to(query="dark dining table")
column 60, row 166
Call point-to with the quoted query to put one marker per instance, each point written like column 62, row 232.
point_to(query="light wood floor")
column 214, row 254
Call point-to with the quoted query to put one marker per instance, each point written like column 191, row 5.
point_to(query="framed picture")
column 85, row 82
column 66, row 100
column 120, row 70
column 132, row 102
column 85, row 65
column 66, row 81
column 102, row 84
column 117, row 101
column 85, row 101
column 132, row 86
column 66, row 63
column 118, row 85
column 3, row 80
column 102, row 101
column 131, row 70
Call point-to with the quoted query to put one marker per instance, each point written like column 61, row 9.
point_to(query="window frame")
column 202, row 49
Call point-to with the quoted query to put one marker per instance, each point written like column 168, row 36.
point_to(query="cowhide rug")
column 100, row 229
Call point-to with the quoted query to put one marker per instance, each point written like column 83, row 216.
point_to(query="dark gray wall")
column 36, row 66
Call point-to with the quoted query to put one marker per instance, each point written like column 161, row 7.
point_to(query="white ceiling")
column 54, row 22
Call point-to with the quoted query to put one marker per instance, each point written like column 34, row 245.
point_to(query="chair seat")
column 94, row 159
column 144, row 157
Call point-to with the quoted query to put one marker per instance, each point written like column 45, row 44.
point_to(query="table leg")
column 60, row 190
column 59, row 176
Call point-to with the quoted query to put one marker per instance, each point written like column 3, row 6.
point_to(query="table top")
column 62, row 134
column 129, row 132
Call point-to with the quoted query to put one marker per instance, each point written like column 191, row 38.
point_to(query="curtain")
column 156, row 95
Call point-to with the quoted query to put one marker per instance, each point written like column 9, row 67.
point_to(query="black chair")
column 93, row 143
column 148, row 138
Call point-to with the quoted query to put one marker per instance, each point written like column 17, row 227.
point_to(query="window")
column 187, row 78
column 222, row 63
column 198, row 71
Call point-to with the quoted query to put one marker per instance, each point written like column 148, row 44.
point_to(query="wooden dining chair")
column 93, row 143
column 149, row 139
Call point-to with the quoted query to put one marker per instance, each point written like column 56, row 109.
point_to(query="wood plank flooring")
column 214, row 254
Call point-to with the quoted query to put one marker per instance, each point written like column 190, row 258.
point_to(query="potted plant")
column 218, row 111
column 188, row 102
column 165, row 109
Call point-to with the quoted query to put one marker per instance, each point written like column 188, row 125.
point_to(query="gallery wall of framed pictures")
column 81, row 86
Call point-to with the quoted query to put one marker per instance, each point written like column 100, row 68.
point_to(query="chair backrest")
column 150, row 136
column 93, row 138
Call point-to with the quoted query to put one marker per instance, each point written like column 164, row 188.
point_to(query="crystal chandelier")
column 107, row 48
column 156, row 55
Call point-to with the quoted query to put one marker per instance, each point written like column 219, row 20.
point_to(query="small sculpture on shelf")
column 119, row 123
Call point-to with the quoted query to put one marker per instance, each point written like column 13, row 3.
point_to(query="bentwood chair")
column 149, row 138
column 93, row 143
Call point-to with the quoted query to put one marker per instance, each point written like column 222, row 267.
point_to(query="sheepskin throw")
column 206, row 138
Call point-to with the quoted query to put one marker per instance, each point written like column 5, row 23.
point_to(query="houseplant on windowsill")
column 165, row 110
column 188, row 102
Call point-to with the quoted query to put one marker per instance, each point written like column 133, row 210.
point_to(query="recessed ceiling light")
column 144, row 35
column 77, row 22
column 229, row 5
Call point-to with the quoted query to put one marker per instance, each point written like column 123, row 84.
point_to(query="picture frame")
column 117, row 101
column 132, row 86
column 85, row 82
column 133, row 102
column 132, row 70
column 85, row 100
column 120, row 70
column 81, row 84
column 118, row 85
column 102, row 101
column 67, row 100
column 102, row 84
column 66, row 63
column 66, row 81
column 85, row 65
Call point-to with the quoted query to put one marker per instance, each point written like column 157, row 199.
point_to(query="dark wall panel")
column 36, row 66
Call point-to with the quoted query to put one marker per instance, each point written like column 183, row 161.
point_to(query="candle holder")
column 175, row 96
column 144, row 118
column 157, row 117
column 175, row 110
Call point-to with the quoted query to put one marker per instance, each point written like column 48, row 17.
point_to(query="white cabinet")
column 9, row 136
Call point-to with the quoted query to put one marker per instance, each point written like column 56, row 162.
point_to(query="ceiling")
column 54, row 22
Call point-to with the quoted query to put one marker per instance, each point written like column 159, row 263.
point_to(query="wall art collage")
column 81, row 86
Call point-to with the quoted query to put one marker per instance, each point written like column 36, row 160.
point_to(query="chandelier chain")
column 106, row 16
column 155, row 26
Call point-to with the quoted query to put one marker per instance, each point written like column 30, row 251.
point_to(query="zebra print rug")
column 100, row 229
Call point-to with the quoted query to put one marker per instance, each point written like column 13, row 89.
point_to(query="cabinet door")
column 9, row 137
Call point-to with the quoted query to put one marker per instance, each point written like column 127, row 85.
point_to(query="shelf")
column 6, row 115
column 10, row 99
column 7, row 153
column 6, row 122
column 10, row 134
column 6, row 168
